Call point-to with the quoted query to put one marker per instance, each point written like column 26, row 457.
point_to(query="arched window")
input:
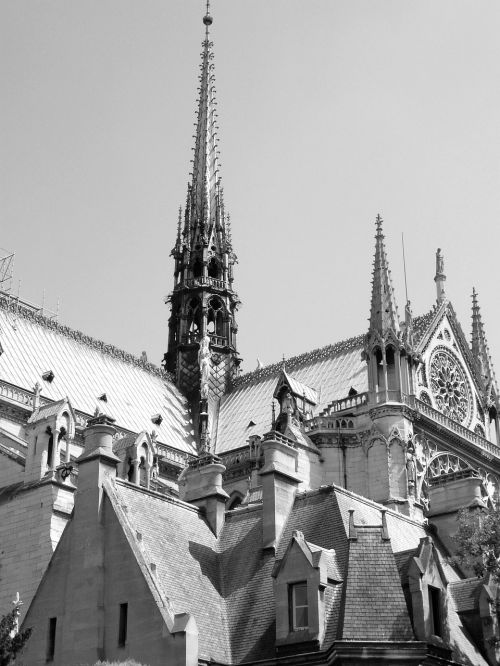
column 197, row 268
column 235, row 500
column 392, row 383
column 380, row 369
column 193, row 319
column 214, row 270
column 215, row 317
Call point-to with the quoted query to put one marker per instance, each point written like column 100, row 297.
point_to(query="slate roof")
column 329, row 372
column 465, row 594
column 84, row 369
column 226, row 583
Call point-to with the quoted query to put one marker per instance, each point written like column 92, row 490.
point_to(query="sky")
column 330, row 112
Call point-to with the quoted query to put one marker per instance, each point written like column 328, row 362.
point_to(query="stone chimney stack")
column 95, row 464
column 447, row 495
column 202, row 486
column 279, row 485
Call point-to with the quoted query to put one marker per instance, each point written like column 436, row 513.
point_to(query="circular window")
column 450, row 387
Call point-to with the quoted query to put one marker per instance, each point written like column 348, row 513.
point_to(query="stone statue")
column 439, row 262
column 204, row 363
column 411, row 470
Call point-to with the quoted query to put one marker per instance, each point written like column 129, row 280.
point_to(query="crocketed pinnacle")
column 204, row 208
column 479, row 345
column 384, row 313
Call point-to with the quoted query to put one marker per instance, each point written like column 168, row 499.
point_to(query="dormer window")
column 298, row 607
column 436, row 627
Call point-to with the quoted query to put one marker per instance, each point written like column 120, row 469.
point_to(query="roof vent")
column 157, row 419
column 48, row 376
column 103, row 397
column 252, row 423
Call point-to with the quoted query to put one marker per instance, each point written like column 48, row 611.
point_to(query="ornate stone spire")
column 480, row 348
column 202, row 352
column 384, row 313
column 440, row 278
column 204, row 215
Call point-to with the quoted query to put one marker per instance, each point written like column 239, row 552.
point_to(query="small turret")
column 388, row 345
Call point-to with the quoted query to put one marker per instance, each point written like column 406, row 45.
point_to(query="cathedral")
column 303, row 513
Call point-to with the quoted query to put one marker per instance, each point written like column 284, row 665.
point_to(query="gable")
column 447, row 380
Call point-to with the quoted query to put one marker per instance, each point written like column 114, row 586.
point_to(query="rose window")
column 450, row 387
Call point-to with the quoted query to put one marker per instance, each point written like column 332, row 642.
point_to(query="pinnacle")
column 383, row 315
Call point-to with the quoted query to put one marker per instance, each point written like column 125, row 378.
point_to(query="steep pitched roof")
column 375, row 607
column 179, row 542
column 330, row 371
column 84, row 368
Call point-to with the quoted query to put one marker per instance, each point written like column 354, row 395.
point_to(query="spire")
column 204, row 207
column 440, row 278
column 384, row 312
column 202, row 354
column 480, row 349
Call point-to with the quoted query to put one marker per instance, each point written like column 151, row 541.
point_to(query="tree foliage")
column 478, row 541
column 11, row 644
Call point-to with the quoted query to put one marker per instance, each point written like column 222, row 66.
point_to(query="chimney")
column 448, row 494
column 95, row 464
column 279, row 485
column 203, row 487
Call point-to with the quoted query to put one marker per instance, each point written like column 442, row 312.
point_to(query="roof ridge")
column 300, row 359
column 15, row 306
column 373, row 504
column 320, row 352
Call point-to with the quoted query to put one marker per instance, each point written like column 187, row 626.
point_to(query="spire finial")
column 207, row 19
column 378, row 224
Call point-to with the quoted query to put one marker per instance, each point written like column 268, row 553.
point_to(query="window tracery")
column 449, row 386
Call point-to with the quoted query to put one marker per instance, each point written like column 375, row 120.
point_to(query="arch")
column 197, row 268
column 390, row 361
column 193, row 319
column 215, row 317
column 379, row 365
column 235, row 500
column 214, row 269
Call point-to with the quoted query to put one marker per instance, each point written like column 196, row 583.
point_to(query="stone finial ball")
column 207, row 19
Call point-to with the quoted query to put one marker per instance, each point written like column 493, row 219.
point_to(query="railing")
column 454, row 426
column 203, row 282
column 350, row 402
column 330, row 423
column 278, row 437
column 193, row 337
column 173, row 455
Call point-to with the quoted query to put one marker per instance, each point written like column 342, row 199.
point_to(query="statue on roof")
column 204, row 363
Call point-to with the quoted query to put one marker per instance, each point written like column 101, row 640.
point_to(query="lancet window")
column 214, row 269
column 215, row 318
column 193, row 319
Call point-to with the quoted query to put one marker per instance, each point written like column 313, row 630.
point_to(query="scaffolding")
column 6, row 270
column 6, row 277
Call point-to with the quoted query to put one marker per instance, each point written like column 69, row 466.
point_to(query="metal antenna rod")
column 404, row 265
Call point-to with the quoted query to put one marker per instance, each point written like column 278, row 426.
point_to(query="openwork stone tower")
column 202, row 327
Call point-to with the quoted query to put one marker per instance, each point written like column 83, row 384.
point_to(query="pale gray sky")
column 331, row 111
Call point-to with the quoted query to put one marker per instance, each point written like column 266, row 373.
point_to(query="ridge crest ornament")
column 450, row 386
